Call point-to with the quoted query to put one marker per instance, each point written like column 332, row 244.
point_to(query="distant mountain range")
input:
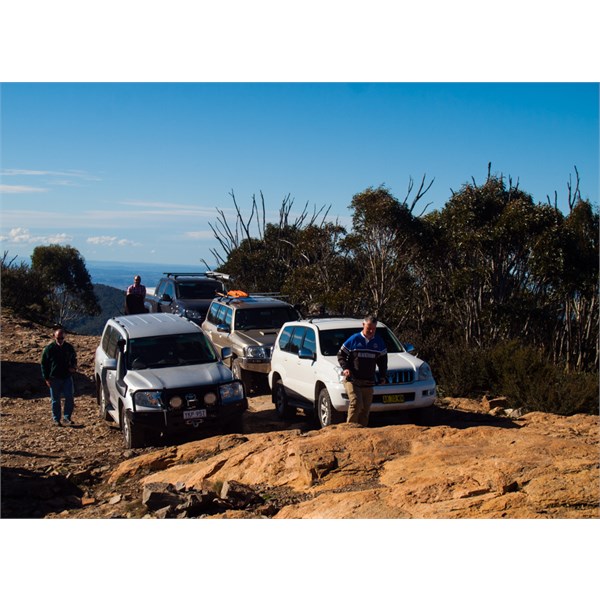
column 120, row 275
column 111, row 280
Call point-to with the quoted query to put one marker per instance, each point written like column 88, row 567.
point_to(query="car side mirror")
column 166, row 298
column 409, row 348
column 305, row 354
column 110, row 364
column 226, row 353
column 223, row 328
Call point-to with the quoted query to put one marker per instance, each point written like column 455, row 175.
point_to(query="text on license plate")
column 391, row 398
column 194, row 414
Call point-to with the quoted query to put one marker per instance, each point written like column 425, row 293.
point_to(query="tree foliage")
column 62, row 272
column 490, row 270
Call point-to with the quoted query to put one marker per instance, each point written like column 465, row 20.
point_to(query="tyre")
column 283, row 409
column 241, row 374
column 324, row 412
column 103, row 404
column 133, row 436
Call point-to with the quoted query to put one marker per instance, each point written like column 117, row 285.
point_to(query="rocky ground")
column 467, row 459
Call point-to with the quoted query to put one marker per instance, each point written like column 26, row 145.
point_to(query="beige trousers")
column 360, row 394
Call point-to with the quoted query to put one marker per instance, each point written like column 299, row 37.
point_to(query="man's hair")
column 370, row 319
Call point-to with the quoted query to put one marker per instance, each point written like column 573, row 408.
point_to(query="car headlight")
column 425, row 372
column 231, row 392
column 210, row 399
column 191, row 314
column 339, row 372
column 176, row 402
column 256, row 352
column 148, row 399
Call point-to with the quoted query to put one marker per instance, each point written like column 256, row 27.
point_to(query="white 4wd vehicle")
column 158, row 373
column 305, row 372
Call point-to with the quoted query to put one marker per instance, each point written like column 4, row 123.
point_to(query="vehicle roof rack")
column 211, row 274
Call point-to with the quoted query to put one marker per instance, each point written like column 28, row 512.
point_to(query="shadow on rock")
column 27, row 494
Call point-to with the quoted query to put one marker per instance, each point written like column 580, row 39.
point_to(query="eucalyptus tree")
column 384, row 244
column 62, row 270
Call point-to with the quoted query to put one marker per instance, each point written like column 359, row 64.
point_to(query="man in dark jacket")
column 59, row 362
column 359, row 355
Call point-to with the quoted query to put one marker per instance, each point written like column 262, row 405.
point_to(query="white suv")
column 305, row 372
column 158, row 373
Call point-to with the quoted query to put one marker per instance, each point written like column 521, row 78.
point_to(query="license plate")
column 194, row 414
column 393, row 398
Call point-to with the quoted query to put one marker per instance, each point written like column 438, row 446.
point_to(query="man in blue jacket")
column 59, row 362
column 359, row 356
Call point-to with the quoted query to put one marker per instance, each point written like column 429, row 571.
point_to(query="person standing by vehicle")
column 59, row 362
column 136, row 294
column 359, row 356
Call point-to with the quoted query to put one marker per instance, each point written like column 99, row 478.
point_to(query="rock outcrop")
column 541, row 466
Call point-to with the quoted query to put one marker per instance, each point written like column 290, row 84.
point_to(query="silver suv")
column 158, row 374
column 305, row 372
column 248, row 325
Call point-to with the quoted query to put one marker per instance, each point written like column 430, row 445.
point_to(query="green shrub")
column 522, row 373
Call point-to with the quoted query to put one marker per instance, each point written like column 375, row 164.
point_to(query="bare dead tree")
column 420, row 193
column 231, row 236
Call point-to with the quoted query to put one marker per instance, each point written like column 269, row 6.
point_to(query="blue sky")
column 134, row 172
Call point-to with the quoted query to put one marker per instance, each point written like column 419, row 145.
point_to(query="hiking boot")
column 56, row 423
column 67, row 421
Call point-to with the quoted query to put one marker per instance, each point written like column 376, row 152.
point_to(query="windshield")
column 264, row 318
column 331, row 340
column 198, row 290
column 169, row 350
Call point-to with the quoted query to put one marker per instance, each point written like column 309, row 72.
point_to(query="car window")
column 111, row 343
column 160, row 288
column 198, row 290
column 296, row 341
column 212, row 314
column 228, row 316
column 170, row 289
column 221, row 315
column 310, row 341
column 272, row 317
column 285, row 337
column 169, row 350
column 331, row 340
column 105, row 338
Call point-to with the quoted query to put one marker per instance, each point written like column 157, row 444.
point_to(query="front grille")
column 400, row 376
column 192, row 397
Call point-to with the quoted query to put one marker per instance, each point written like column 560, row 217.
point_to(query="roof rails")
column 211, row 274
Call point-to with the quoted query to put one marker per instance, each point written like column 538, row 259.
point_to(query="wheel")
column 132, row 435
column 103, row 404
column 325, row 413
column 241, row 374
column 284, row 411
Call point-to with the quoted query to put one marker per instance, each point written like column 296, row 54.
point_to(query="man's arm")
column 343, row 357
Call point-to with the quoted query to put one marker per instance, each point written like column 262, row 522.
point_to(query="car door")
column 295, row 367
column 303, row 364
column 221, row 333
column 165, row 300
column 111, row 374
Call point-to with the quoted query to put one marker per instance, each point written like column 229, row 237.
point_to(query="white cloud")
column 199, row 235
column 110, row 240
column 19, row 189
column 21, row 235
column 38, row 173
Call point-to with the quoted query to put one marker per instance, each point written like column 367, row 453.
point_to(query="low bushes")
column 519, row 372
